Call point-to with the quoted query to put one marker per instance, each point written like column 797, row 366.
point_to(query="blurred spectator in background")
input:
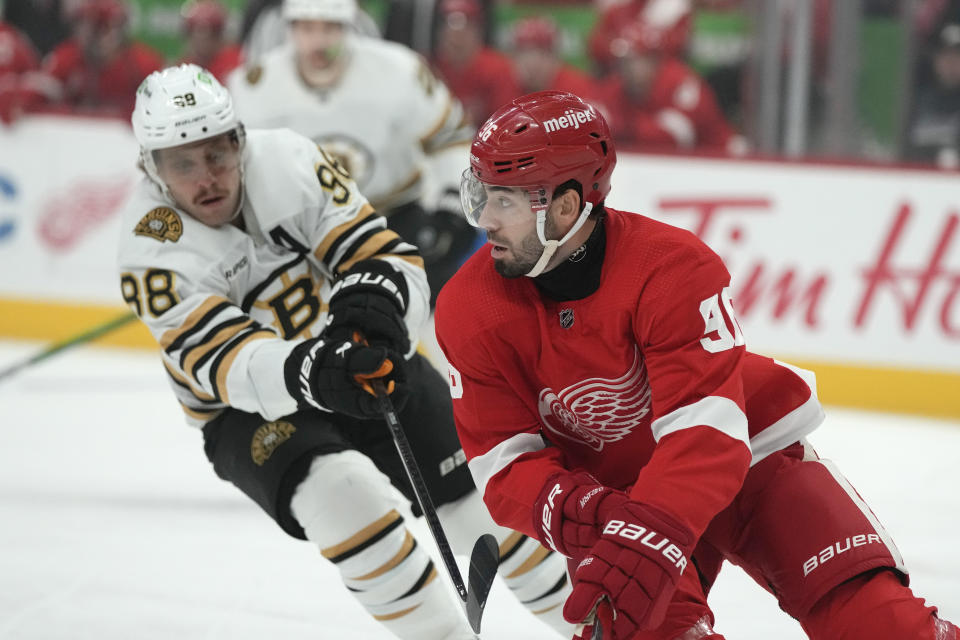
column 657, row 103
column 671, row 18
column 18, row 57
column 537, row 62
column 933, row 134
column 204, row 25
column 479, row 76
column 264, row 28
column 42, row 21
column 99, row 68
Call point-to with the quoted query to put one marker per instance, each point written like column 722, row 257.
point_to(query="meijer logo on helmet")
column 570, row 118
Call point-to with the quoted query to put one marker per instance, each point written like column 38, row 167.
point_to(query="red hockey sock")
column 875, row 606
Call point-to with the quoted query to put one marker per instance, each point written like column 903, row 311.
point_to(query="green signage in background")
column 157, row 23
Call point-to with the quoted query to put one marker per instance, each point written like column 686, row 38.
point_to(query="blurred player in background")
column 537, row 62
column 480, row 76
column 277, row 295
column 206, row 45
column 377, row 108
column 99, row 68
column 672, row 18
column 656, row 102
column 18, row 58
column 608, row 407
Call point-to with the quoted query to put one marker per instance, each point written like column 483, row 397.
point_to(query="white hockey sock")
column 536, row 576
column 346, row 507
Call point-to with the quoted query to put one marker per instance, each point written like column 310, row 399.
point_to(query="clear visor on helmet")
column 194, row 162
column 500, row 201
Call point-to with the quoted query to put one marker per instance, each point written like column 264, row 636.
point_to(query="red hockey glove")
column 570, row 511
column 636, row 565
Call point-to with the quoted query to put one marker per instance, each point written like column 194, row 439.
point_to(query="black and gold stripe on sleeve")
column 362, row 237
column 451, row 128
column 194, row 323
column 227, row 353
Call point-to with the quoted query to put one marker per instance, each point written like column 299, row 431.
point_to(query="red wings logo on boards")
column 596, row 411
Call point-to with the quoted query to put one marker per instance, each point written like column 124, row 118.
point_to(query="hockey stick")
column 57, row 347
column 485, row 556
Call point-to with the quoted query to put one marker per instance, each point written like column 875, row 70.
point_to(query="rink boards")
column 853, row 272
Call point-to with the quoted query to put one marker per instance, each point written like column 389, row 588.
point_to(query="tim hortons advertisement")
column 833, row 264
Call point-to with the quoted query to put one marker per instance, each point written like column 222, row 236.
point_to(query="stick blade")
column 484, row 560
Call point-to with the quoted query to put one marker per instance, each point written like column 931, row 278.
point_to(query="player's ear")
column 570, row 203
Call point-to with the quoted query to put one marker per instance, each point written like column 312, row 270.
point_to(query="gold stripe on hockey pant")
column 367, row 249
column 510, row 544
column 198, row 351
column 224, row 367
column 543, row 611
column 172, row 334
column 400, row 556
column 400, row 614
column 357, row 539
column 321, row 249
column 535, row 558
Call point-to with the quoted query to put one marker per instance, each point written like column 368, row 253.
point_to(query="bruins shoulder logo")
column 267, row 438
column 254, row 74
column 162, row 223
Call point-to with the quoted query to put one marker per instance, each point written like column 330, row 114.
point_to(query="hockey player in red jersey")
column 656, row 102
column 538, row 64
column 204, row 23
column 99, row 68
column 608, row 406
column 18, row 58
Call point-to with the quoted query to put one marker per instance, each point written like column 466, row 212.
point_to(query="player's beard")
column 525, row 256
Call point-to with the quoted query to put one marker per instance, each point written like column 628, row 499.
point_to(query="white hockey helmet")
column 344, row 11
column 179, row 105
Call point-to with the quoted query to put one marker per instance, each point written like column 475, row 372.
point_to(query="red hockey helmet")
column 101, row 11
column 537, row 142
column 536, row 33
column 204, row 13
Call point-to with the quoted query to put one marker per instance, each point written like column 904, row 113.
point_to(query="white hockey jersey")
column 227, row 305
column 391, row 123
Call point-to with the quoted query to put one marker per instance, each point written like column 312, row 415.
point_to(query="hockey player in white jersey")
column 258, row 266
column 376, row 107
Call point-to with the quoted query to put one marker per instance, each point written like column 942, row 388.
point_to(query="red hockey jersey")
column 645, row 382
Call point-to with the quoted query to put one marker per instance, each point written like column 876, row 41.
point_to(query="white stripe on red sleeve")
column 717, row 412
column 485, row 466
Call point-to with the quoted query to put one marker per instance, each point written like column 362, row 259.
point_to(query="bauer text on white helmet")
column 344, row 11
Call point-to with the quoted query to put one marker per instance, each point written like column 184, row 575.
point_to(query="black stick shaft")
column 419, row 487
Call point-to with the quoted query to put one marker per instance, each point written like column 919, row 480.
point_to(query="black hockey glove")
column 334, row 375
column 371, row 299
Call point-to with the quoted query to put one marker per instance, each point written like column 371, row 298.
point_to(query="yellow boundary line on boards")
column 914, row 391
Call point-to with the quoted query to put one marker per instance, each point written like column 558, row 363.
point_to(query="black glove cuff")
column 373, row 276
column 297, row 374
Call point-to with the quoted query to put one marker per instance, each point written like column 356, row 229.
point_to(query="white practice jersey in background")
column 389, row 121
column 227, row 305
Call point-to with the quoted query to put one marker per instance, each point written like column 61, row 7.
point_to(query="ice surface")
column 113, row 526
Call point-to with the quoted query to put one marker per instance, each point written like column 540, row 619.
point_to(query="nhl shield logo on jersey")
column 267, row 438
column 596, row 411
column 162, row 223
column 566, row 318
